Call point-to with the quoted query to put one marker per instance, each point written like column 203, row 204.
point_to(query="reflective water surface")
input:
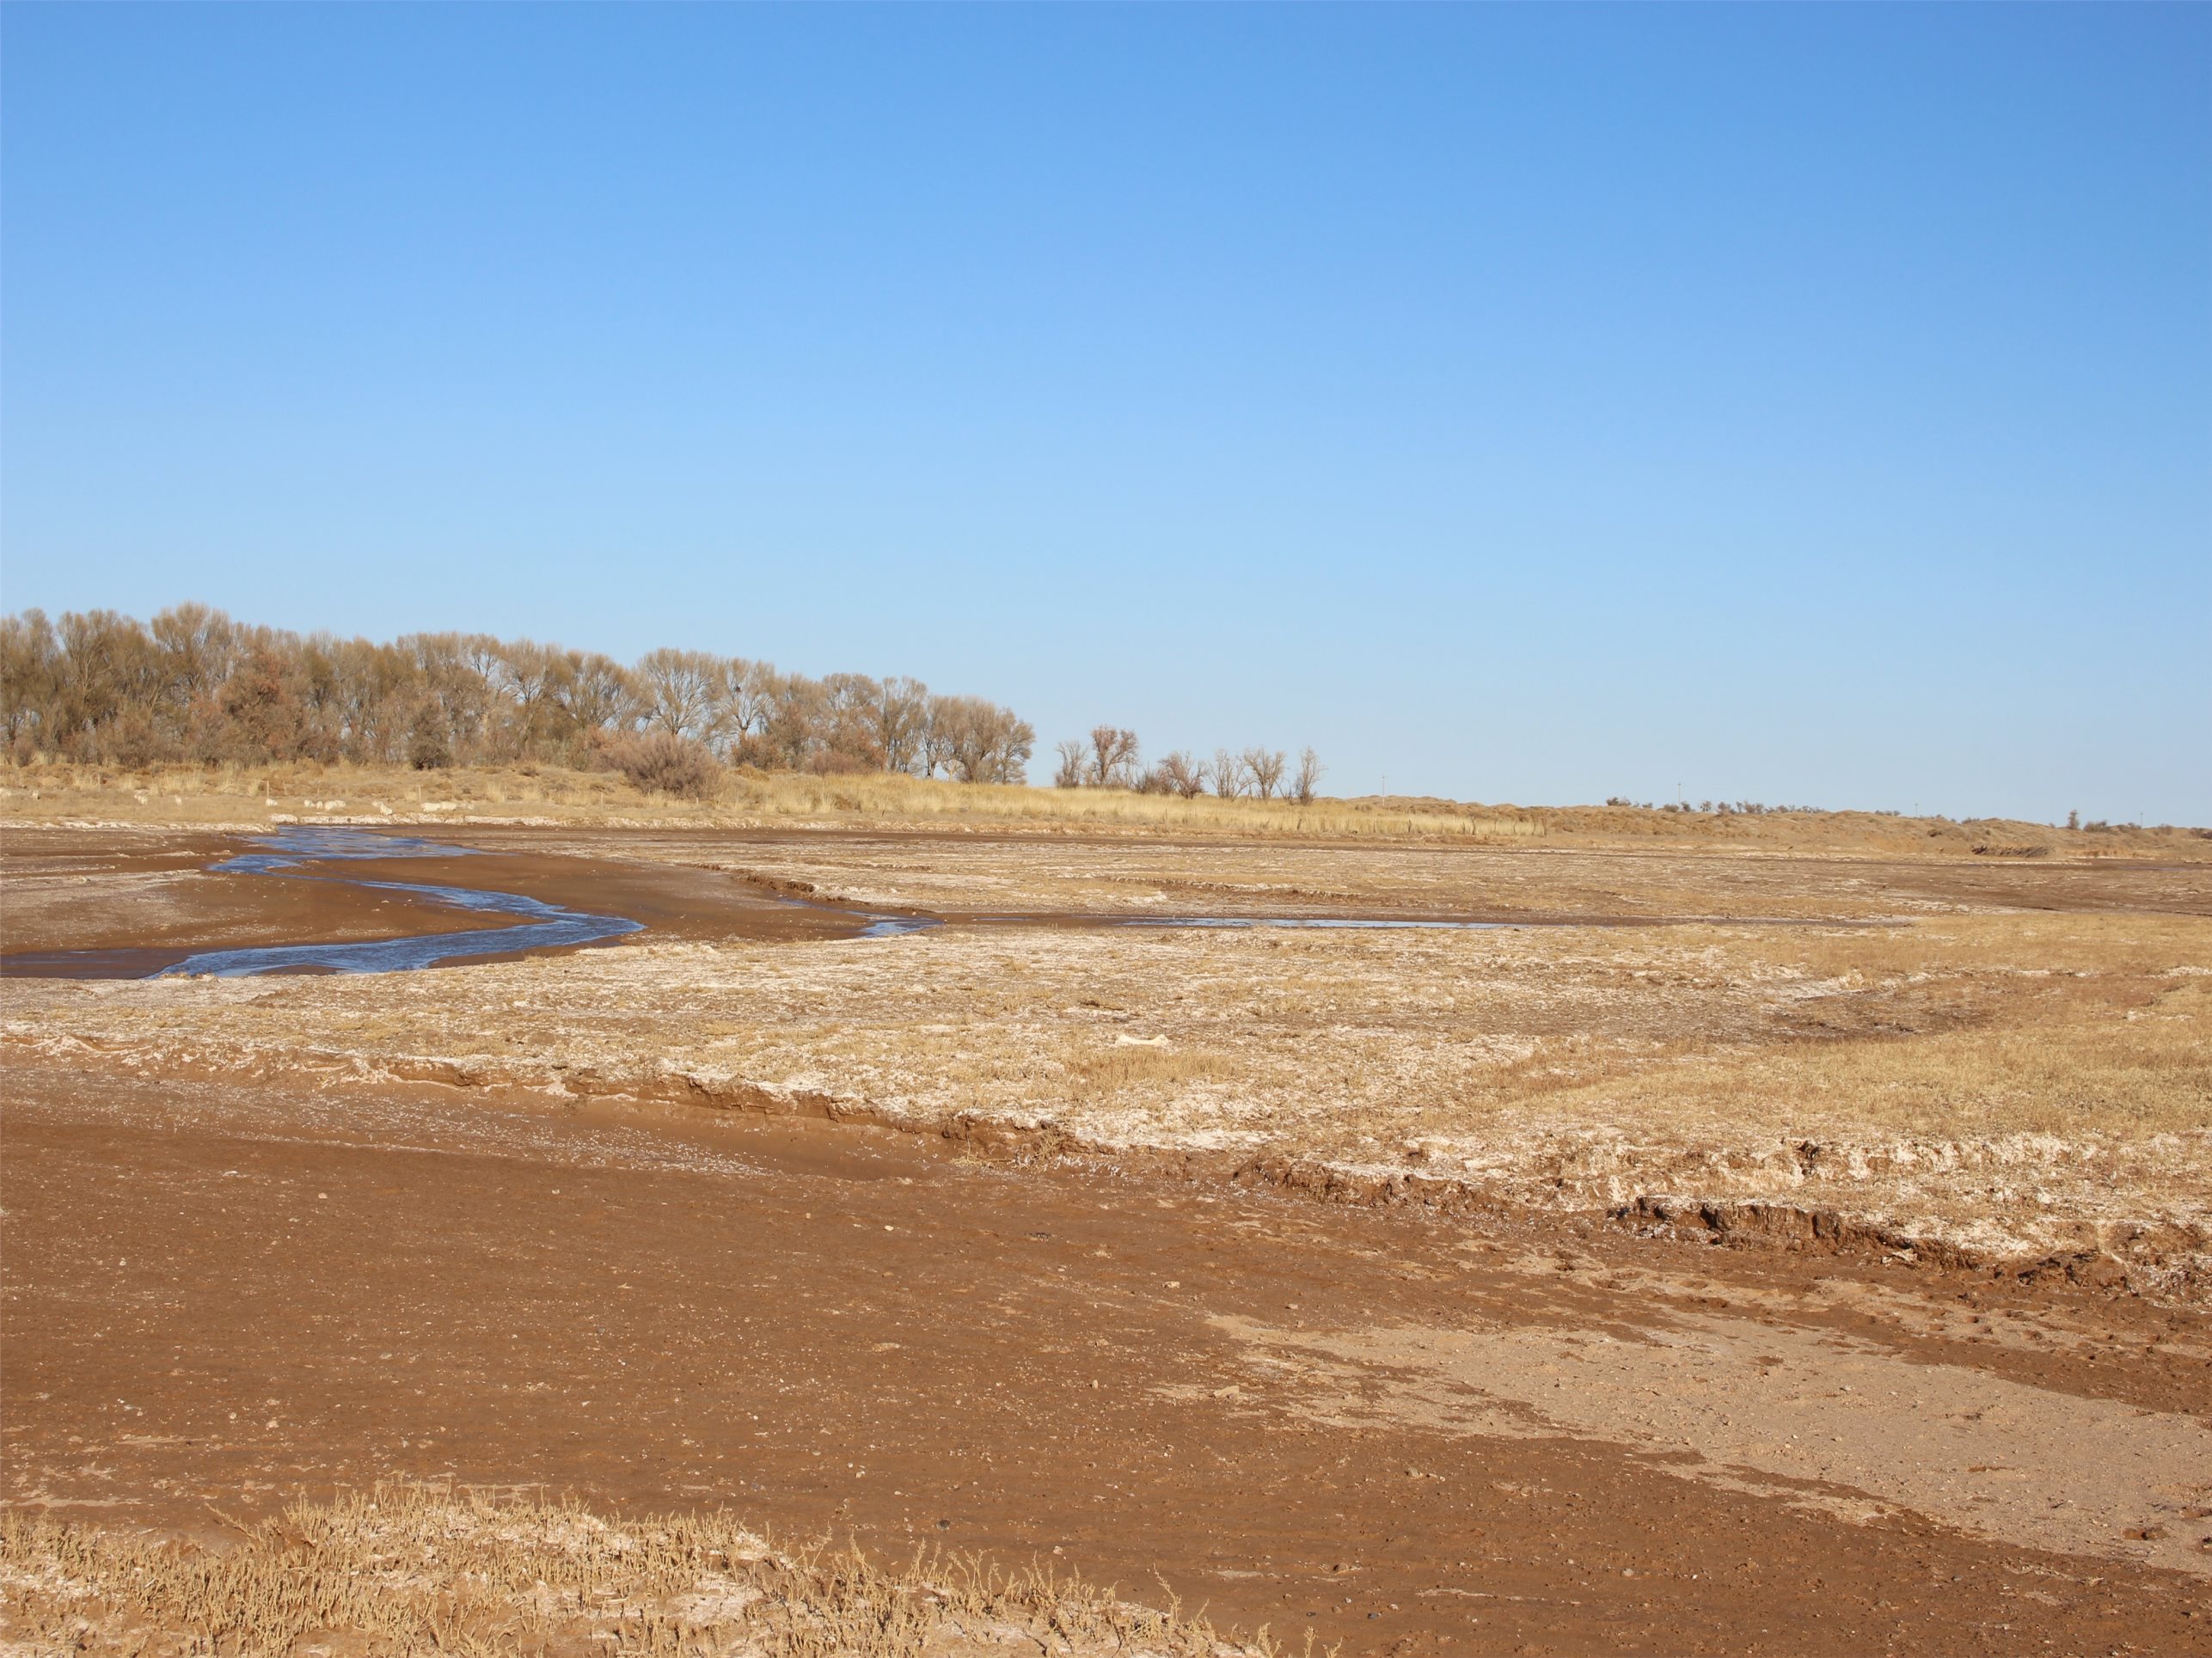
column 287, row 853
column 543, row 925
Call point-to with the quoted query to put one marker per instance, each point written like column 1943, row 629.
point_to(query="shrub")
column 427, row 748
column 662, row 763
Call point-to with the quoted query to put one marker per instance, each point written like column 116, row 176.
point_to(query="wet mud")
column 342, row 889
column 137, row 907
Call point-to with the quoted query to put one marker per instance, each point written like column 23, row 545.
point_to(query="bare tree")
column 683, row 689
column 375, row 691
column 260, row 700
column 1113, row 757
column 1179, row 774
column 1227, row 775
column 936, row 739
column 748, row 698
column 902, row 721
column 198, row 647
column 1265, row 768
column 109, row 674
column 455, row 703
column 851, row 716
column 30, row 682
column 314, row 670
column 982, row 742
column 98, row 687
column 792, row 733
column 1309, row 778
column 527, row 674
column 477, row 662
column 596, row 694
column 1068, row 773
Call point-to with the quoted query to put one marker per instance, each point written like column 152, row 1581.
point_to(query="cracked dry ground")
column 1518, row 1431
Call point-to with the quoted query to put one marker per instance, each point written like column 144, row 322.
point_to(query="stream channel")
column 536, row 926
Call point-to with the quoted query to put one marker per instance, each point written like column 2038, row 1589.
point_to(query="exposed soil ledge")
column 2162, row 1257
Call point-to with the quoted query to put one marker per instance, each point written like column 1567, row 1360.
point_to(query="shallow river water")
column 542, row 925
column 306, row 854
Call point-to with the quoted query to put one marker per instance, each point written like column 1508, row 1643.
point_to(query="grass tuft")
column 406, row 1569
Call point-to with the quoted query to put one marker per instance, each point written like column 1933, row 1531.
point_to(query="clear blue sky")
column 1806, row 404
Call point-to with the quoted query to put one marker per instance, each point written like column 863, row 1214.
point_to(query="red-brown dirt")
column 1402, row 1432
column 224, row 1293
column 145, row 901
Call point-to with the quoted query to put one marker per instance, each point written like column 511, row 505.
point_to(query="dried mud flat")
column 2001, row 1068
column 276, row 1237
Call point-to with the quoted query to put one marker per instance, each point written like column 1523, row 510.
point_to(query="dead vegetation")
column 1537, row 878
column 661, row 762
column 1137, row 1063
column 2016, row 1089
column 547, row 794
column 403, row 1570
column 1918, row 1053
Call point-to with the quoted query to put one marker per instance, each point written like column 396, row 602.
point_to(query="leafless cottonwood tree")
column 198, row 688
column 1227, row 773
column 850, row 724
column 684, row 691
column 1181, row 775
column 527, row 674
column 982, row 742
column 902, row 721
column 747, row 699
column 1263, row 767
column 596, row 693
column 1113, row 757
column 1074, row 763
column 198, row 647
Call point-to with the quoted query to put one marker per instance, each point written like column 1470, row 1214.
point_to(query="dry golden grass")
column 1136, row 1066
column 2024, row 1083
column 404, row 1570
column 1981, row 1025
column 2041, row 1074
column 1140, row 876
column 193, row 795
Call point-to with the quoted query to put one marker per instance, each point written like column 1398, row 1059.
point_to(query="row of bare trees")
column 195, row 686
column 1112, row 759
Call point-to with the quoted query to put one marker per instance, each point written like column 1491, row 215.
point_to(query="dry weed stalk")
column 404, row 1569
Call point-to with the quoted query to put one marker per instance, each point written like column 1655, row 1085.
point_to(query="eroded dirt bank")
column 2006, row 1068
column 1405, row 1435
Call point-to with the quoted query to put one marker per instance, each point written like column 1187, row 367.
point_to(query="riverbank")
column 1910, row 1060
column 243, row 798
